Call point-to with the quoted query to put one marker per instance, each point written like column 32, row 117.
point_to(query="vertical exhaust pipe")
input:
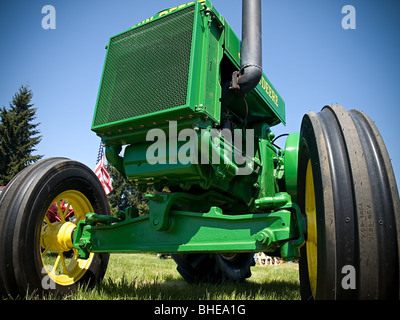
column 250, row 72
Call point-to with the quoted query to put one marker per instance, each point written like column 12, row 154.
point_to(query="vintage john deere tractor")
column 184, row 107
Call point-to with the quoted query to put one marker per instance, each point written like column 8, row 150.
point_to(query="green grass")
column 145, row 277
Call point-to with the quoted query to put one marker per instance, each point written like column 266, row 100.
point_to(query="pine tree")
column 18, row 135
column 7, row 125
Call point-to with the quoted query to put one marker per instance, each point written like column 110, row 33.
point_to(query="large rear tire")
column 348, row 193
column 39, row 211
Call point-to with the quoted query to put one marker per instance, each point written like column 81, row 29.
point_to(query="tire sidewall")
column 310, row 148
column 236, row 270
column 68, row 175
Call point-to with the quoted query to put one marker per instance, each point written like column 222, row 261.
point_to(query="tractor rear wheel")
column 39, row 211
column 348, row 193
column 214, row 268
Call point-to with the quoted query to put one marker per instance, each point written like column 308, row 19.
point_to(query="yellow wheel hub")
column 59, row 257
column 57, row 236
column 311, row 242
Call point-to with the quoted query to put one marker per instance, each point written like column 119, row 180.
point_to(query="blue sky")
column 311, row 60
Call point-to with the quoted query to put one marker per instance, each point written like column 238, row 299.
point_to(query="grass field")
column 145, row 277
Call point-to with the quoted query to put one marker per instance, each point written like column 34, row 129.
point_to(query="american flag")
column 101, row 171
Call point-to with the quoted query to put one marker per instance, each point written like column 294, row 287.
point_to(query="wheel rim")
column 311, row 242
column 59, row 258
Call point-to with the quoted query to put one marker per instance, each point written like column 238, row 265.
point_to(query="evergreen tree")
column 18, row 135
column 6, row 127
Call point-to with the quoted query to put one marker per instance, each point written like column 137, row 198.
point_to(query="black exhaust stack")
column 250, row 72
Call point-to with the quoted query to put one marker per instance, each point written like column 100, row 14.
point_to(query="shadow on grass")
column 171, row 288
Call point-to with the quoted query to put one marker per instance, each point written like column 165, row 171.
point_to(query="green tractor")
column 185, row 108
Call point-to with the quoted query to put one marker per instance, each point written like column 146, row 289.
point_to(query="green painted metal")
column 265, row 100
column 144, row 165
column 290, row 164
column 169, row 67
column 134, row 94
column 267, row 154
column 168, row 73
column 212, row 231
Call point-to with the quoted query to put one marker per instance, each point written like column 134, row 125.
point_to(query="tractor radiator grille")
column 146, row 69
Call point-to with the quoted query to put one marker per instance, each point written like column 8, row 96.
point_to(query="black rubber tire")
column 356, row 206
column 214, row 268
column 23, row 206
